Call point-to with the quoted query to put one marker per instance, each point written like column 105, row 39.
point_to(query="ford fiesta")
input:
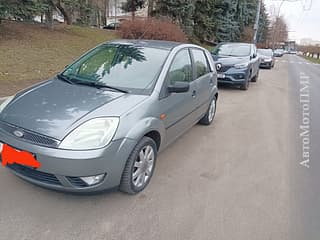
column 101, row 122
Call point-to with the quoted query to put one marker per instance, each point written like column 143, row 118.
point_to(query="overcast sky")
column 303, row 24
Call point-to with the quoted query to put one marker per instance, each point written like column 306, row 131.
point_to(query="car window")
column 233, row 50
column 121, row 66
column 200, row 62
column 265, row 52
column 181, row 68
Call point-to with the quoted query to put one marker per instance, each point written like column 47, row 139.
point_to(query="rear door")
column 203, row 77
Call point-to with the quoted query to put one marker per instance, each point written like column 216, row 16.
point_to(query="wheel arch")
column 149, row 127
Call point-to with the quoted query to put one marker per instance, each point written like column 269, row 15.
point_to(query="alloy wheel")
column 143, row 166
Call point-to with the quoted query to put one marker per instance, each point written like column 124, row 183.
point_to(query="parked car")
column 236, row 63
column 101, row 122
column 112, row 26
column 293, row 52
column 278, row 52
column 267, row 59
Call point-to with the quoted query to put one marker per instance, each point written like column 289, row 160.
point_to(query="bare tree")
column 279, row 31
column 62, row 8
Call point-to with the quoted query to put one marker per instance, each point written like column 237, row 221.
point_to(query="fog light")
column 92, row 180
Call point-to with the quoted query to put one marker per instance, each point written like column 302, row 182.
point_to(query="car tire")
column 210, row 114
column 245, row 85
column 131, row 181
column 255, row 78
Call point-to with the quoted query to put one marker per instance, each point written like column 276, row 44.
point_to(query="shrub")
column 152, row 28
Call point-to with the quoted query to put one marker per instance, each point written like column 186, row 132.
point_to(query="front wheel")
column 210, row 114
column 139, row 167
column 245, row 85
column 255, row 78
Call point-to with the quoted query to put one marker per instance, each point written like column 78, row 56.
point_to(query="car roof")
column 235, row 43
column 167, row 45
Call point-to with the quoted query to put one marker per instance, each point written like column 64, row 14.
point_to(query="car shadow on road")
column 228, row 87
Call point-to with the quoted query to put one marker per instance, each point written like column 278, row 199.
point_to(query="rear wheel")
column 210, row 114
column 139, row 167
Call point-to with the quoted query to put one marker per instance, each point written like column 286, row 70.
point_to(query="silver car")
column 101, row 122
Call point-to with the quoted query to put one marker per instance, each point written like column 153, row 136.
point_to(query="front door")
column 179, row 107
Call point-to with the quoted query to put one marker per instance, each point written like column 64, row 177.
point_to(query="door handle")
column 194, row 93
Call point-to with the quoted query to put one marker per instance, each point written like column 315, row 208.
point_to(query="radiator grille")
column 29, row 136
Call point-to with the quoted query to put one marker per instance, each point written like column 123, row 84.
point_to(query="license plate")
column 17, row 156
column 220, row 75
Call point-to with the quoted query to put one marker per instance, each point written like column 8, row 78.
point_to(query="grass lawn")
column 314, row 60
column 30, row 53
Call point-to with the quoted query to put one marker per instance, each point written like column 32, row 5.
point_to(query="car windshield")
column 265, row 52
column 235, row 50
column 125, row 67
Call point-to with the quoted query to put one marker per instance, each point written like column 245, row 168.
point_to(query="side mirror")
column 254, row 55
column 179, row 87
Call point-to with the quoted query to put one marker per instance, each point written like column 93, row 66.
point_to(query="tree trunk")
column 133, row 12
column 150, row 8
column 133, row 15
column 105, row 12
column 49, row 17
column 66, row 15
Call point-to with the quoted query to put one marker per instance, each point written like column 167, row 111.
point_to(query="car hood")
column 265, row 57
column 230, row 60
column 53, row 107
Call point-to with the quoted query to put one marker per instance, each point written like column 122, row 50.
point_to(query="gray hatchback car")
column 101, row 122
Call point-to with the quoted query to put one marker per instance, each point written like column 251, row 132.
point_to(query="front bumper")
column 233, row 76
column 61, row 169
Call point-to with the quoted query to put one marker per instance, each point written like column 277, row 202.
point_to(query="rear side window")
column 201, row 63
column 181, row 68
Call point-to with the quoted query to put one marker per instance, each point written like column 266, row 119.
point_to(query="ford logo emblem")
column 219, row 66
column 18, row 133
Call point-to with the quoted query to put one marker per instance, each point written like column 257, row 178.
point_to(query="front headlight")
column 93, row 134
column 5, row 103
column 241, row 65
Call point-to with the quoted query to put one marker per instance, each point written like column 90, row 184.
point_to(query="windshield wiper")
column 65, row 78
column 96, row 85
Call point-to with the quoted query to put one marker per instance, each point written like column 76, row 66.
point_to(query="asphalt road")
column 237, row 179
column 304, row 98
